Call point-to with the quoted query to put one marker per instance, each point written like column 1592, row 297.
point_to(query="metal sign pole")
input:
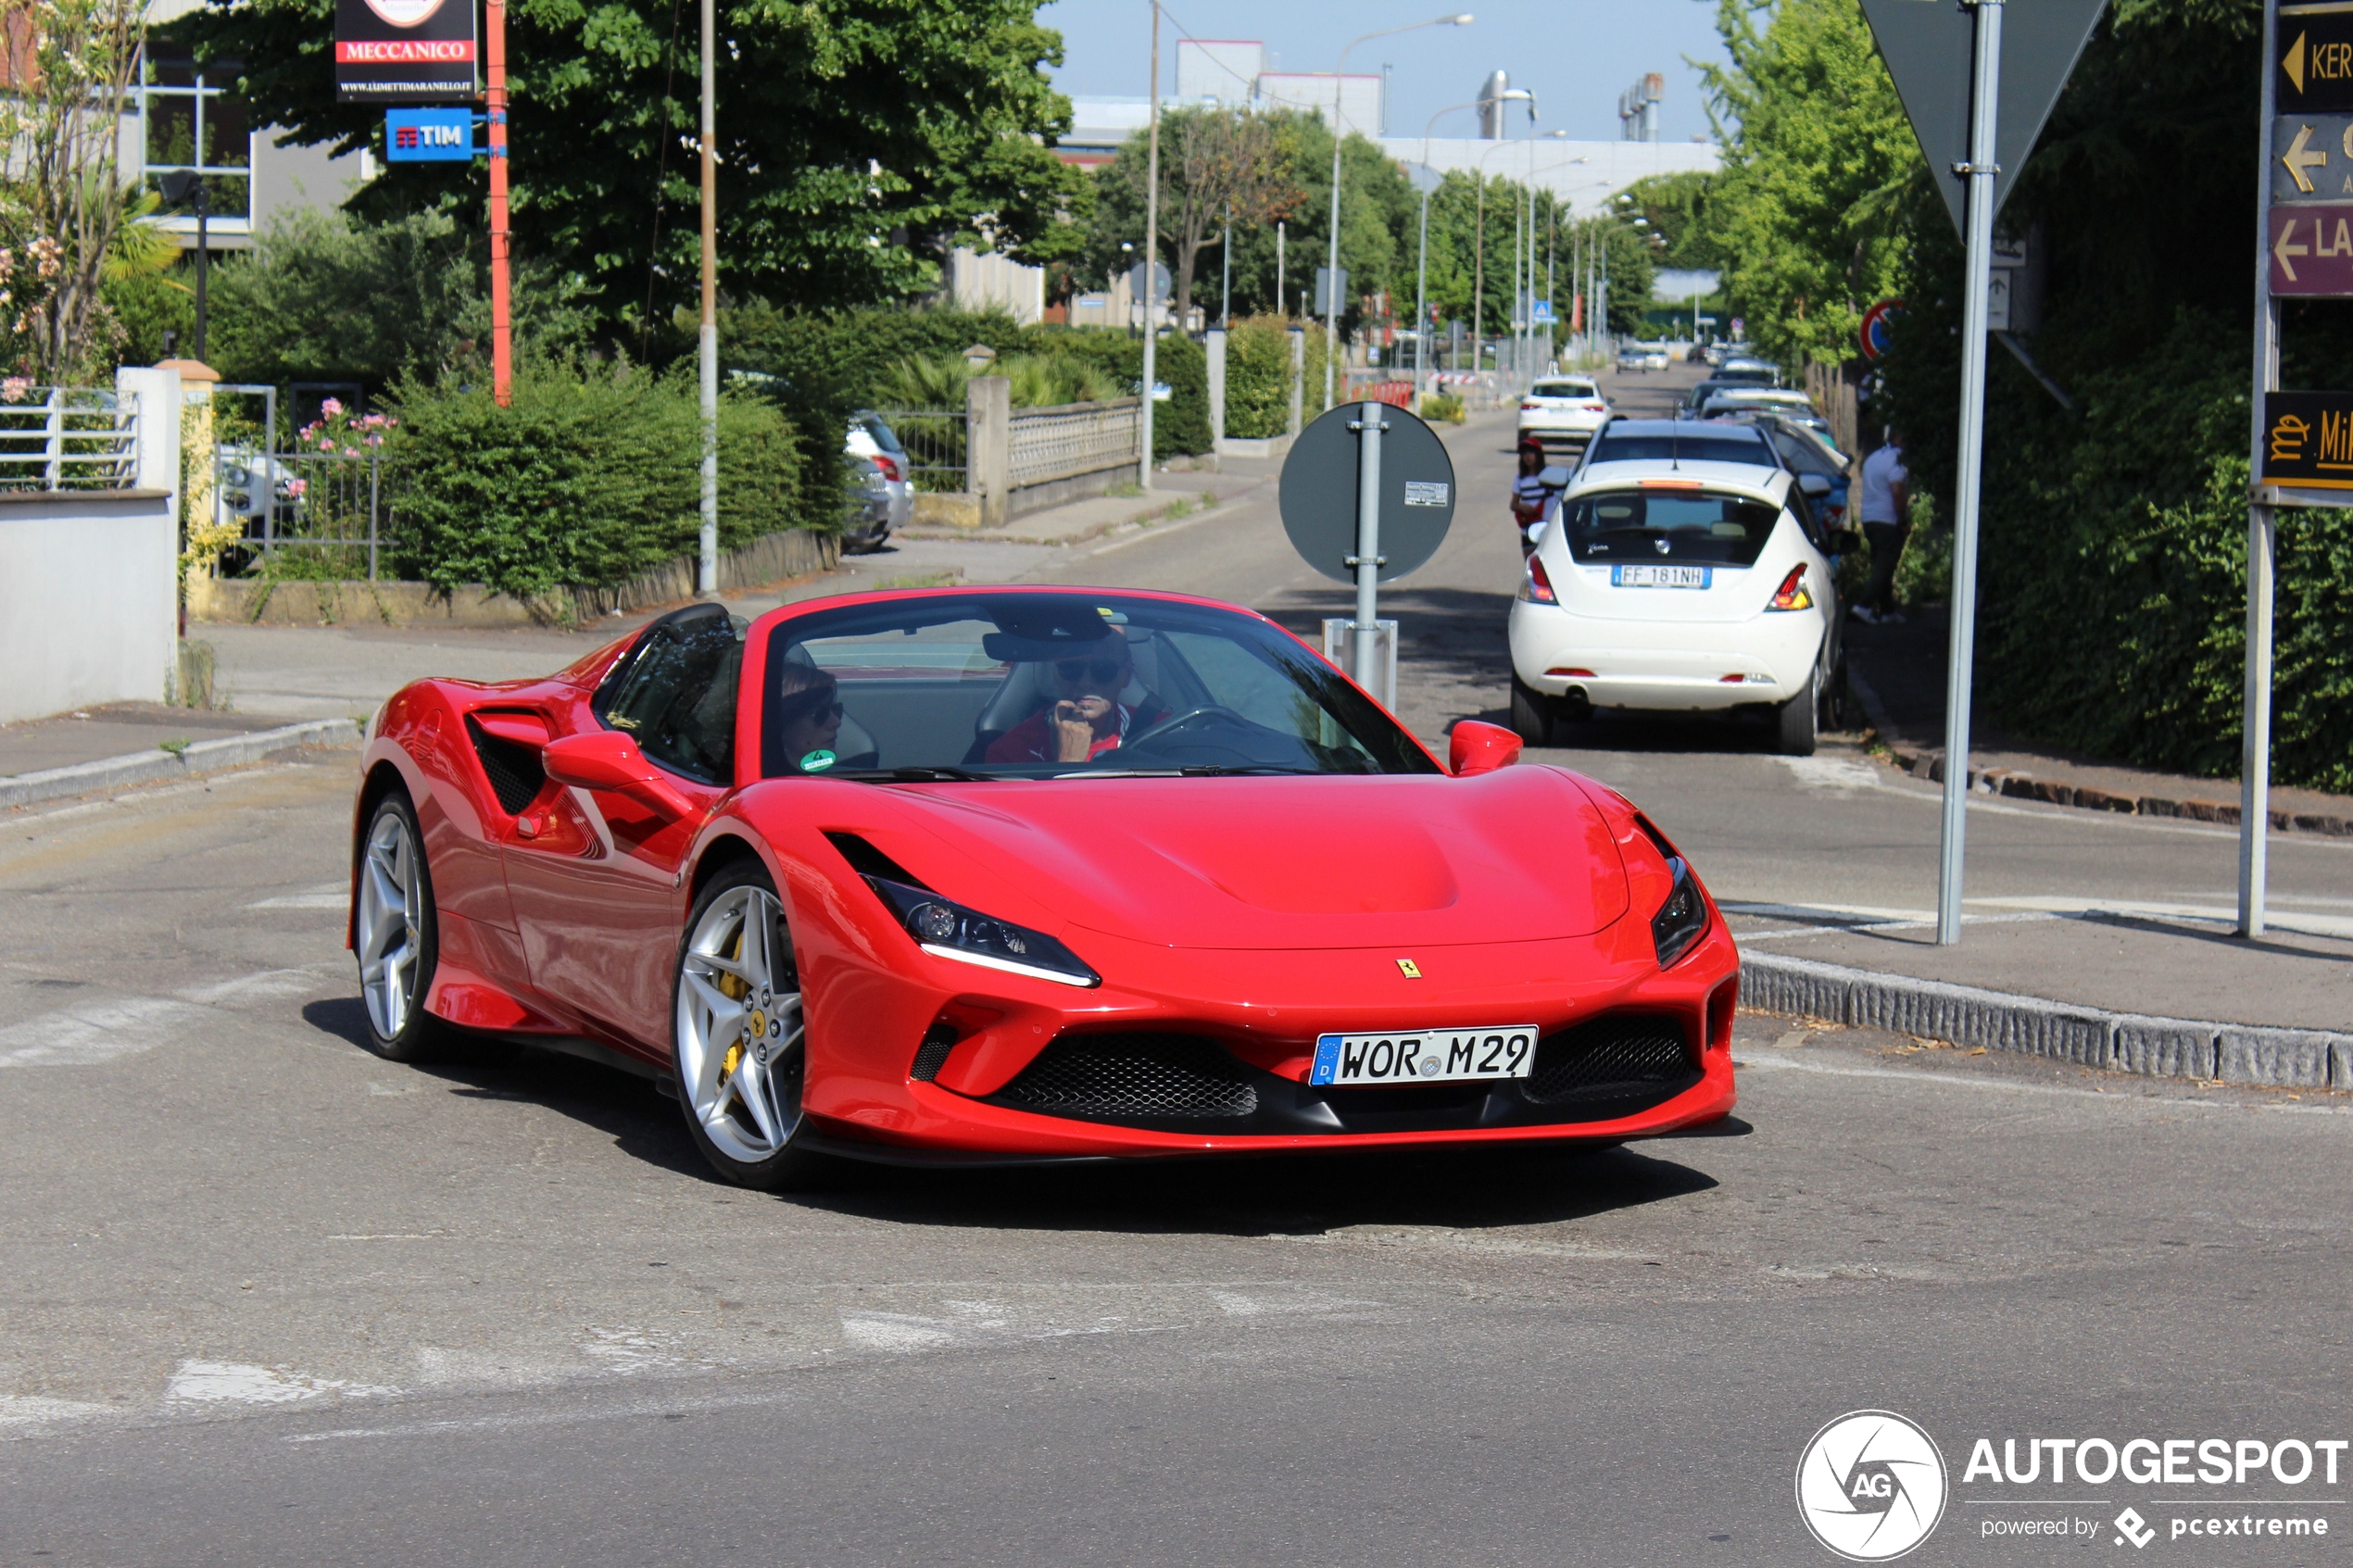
column 1968, row 482
column 1364, row 650
column 2255, row 738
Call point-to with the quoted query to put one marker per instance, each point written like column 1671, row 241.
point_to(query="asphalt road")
column 272, row 1301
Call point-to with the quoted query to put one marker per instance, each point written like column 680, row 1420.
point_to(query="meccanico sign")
column 403, row 51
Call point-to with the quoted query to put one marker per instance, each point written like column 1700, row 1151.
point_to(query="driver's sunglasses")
column 828, row 714
column 1077, row 669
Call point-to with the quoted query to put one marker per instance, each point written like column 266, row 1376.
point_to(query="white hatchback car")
column 1681, row 570
column 1564, row 408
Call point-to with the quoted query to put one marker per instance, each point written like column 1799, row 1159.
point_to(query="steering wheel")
column 1187, row 717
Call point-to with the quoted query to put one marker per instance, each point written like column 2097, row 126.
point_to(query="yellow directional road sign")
column 2308, row 440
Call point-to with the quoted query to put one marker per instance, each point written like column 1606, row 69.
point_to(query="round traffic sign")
column 1319, row 491
column 1877, row 322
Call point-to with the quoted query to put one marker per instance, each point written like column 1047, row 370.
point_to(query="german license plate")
column 1430, row 1056
column 1659, row 576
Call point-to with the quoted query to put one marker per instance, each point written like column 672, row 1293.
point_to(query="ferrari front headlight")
column 1682, row 919
column 948, row 930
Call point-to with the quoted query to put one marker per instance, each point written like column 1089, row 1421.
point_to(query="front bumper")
column 971, row 1110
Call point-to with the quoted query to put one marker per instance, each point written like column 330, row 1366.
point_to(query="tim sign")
column 403, row 51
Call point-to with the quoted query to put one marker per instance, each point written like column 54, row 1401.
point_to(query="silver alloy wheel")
column 390, row 924
column 739, row 1035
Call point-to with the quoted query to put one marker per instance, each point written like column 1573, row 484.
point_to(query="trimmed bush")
column 586, row 480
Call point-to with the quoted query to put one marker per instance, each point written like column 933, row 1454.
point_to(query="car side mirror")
column 1480, row 747
column 609, row 761
column 1814, row 484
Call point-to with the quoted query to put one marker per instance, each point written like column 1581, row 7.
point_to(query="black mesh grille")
column 1124, row 1076
column 1610, row 1059
column 513, row 771
column 932, row 1055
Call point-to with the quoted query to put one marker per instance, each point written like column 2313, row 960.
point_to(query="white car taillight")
column 1536, row 586
column 1792, row 594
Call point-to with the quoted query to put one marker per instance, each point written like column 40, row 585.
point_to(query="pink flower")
column 15, row 387
column 329, row 409
column 295, row 487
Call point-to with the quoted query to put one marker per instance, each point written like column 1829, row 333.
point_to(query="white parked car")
column 1781, row 399
column 1683, row 569
column 1566, row 407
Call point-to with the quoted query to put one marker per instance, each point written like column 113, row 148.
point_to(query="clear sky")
column 1577, row 54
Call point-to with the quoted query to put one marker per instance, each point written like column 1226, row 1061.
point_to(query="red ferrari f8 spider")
column 1006, row 875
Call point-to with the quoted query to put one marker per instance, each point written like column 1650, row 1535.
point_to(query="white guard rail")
column 68, row 438
column 1074, row 439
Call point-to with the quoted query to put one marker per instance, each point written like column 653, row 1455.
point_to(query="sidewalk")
column 2167, row 959
column 1173, row 494
column 116, row 729
column 1898, row 674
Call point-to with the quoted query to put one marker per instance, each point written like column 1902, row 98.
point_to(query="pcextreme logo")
column 1872, row 1485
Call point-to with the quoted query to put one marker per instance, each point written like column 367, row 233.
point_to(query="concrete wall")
column 89, row 579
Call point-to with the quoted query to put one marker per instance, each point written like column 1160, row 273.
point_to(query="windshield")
column 1563, row 389
column 1804, row 455
column 1676, row 525
column 1047, row 685
column 1728, row 443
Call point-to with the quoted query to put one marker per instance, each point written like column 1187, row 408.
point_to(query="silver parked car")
column 873, row 447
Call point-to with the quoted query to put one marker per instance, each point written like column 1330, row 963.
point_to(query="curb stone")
column 146, row 767
column 1929, row 765
column 2117, row 1042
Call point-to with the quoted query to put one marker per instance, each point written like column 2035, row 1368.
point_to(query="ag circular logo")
column 1872, row 1485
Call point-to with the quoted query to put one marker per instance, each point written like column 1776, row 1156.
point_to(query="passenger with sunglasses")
column 1083, row 717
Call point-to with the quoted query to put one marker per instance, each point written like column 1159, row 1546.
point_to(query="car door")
column 595, row 881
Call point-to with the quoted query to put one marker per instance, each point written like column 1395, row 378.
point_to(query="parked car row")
column 1689, row 565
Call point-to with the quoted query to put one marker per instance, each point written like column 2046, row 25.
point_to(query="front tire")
column 739, row 1035
column 1531, row 714
column 1797, row 728
column 395, row 936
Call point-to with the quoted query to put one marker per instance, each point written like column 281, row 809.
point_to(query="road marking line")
column 326, row 895
column 95, row 1032
column 2297, row 920
column 237, row 1383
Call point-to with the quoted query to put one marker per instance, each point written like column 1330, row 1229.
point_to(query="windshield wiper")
column 910, row 775
column 1191, row 771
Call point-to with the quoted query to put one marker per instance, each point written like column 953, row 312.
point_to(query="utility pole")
column 707, row 576
column 1282, row 303
column 502, row 342
column 1152, row 266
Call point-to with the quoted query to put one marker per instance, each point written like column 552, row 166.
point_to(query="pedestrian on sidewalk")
column 1886, row 513
column 1530, row 495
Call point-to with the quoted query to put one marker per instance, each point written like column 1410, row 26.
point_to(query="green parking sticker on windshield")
column 817, row 761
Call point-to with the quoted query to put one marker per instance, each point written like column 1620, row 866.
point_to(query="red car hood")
column 1515, row 855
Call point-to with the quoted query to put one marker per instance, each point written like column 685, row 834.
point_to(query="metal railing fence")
column 1073, row 439
column 68, row 438
column 937, row 445
column 329, row 511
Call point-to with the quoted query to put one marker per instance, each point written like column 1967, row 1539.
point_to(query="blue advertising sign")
column 429, row 135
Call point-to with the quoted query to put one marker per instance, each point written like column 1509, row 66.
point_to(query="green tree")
column 858, row 139
column 1216, row 166
column 1807, row 215
column 321, row 299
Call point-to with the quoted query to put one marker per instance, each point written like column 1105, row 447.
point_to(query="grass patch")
column 176, row 747
column 928, row 579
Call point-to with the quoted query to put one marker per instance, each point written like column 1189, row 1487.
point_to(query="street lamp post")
column 1421, row 271
column 1152, row 268
column 1331, row 292
column 1479, row 227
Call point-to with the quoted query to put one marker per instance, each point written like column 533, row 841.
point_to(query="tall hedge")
column 586, row 479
